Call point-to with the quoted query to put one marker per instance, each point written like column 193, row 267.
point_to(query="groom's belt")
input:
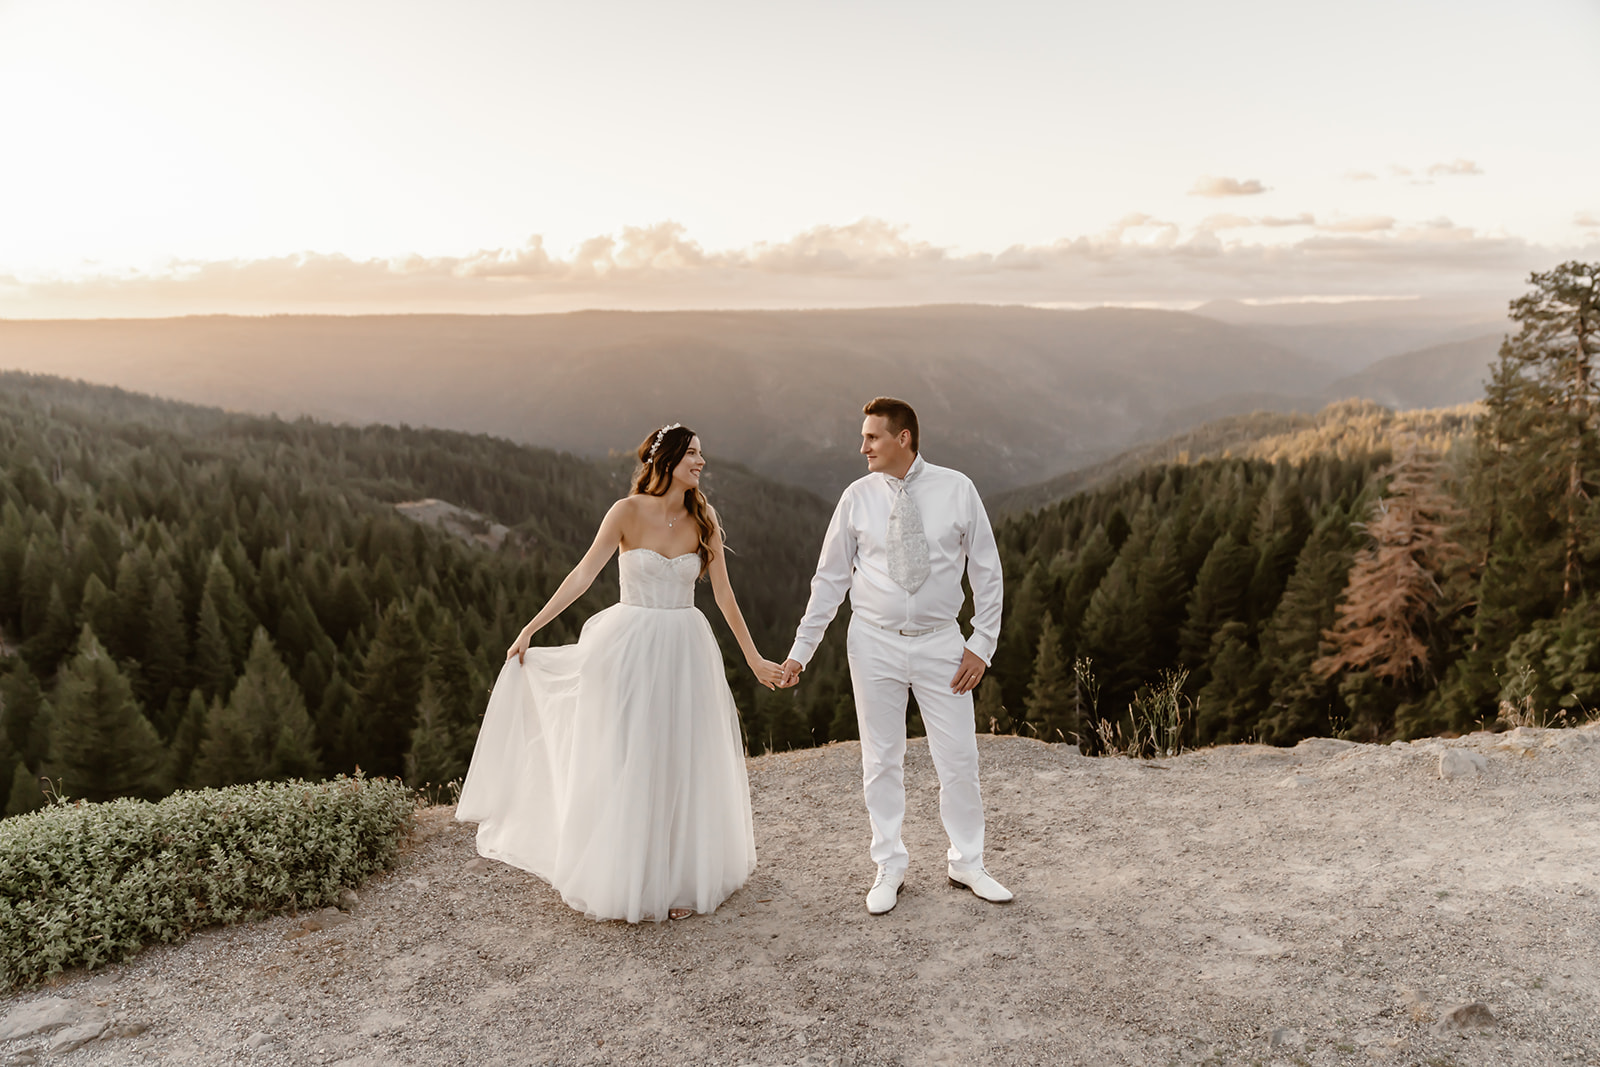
column 910, row 632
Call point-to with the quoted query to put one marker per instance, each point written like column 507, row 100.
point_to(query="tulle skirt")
column 614, row 769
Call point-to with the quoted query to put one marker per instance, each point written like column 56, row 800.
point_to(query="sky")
column 174, row 157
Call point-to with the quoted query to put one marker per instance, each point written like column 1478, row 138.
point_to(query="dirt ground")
column 1328, row 904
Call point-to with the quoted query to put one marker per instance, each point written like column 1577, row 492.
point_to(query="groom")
column 898, row 543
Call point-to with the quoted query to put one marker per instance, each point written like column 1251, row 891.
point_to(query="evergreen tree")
column 188, row 738
column 1049, row 705
column 1116, row 633
column 391, row 685
column 23, row 715
column 450, row 672
column 213, row 653
column 1302, row 703
column 233, row 617
column 101, row 745
column 165, row 653
column 1219, row 596
column 25, row 795
column 336, row 725
column 52, row 640
column 263, row 732
column 1557, row 345
column 432, row 758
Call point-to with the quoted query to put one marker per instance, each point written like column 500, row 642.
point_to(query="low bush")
column 87, row 884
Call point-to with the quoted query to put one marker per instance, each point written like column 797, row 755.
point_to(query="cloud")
column 1360, row 176
column 1398, row 171
column 1455, row 167
column 1239, row 222
column 1587, row 220
column 870, row 262
column 1360, row 224
column 1212, row 186
column 1225, row 222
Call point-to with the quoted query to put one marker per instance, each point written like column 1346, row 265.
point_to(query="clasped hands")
column 968, row 675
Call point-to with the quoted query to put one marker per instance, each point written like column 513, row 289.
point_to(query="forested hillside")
column 1361, row 573
column 1344, row 428
column 190, row 597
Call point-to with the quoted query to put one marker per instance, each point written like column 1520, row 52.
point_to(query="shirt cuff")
column 982, row 647
column 801, row 654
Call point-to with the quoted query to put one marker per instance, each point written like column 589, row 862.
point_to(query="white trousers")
column 884, row 666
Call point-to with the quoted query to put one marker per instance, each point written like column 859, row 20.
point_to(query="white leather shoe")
column 980, row 883
column 885, row 891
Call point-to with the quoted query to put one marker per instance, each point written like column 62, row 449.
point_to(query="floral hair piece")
column 659, row 435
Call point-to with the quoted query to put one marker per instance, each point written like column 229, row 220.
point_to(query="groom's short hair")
column 897, row 413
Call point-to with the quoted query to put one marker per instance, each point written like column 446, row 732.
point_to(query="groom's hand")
column 791, row 673
column 969, row 674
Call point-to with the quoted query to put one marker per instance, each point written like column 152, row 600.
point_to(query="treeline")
column 1384, row 577
column 194, row 598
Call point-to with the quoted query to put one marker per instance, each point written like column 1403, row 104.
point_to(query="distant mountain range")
column 1351, row 335
column 1011, row 395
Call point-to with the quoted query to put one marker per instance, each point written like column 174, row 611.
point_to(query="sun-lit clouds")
column 1210, row 185
column 1226, row 222
column 1586, row 220
column 1139, row 259
column 1360, row 176
column 1361, row 224
column 1458, row 167
column 1239, row 222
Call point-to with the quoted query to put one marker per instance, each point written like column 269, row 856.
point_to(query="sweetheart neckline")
column 653, row 552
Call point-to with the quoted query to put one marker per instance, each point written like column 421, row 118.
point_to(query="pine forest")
column 190, row 597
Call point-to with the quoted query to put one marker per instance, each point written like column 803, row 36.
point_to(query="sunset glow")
column 172, row 157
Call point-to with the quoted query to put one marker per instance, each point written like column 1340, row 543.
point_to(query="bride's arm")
column 578, row 582
column 766, row 672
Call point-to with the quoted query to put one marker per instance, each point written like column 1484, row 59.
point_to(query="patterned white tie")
column 908, row 544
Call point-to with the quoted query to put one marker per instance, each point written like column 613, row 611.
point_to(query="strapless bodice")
column 651, row 580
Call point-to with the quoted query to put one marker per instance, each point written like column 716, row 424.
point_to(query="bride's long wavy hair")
column 659, row 455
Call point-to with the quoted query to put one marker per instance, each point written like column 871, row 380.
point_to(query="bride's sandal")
column 679, row 913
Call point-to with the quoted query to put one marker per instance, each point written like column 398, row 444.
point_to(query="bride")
column 613, row 768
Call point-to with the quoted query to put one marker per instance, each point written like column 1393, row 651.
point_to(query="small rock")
column 39, row 1017
column 348, row 899
column 77, row 1036
column 1286, row 1038
column 126, row 1030
column 277, row 1018
column 479, row 864
column 257, row 1040
column 1474, row 1016
column 24, row 1057
column 1296, row 781
column 418, row 882
column 1461, row 763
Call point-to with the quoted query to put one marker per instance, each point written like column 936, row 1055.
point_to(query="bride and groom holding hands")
column 614, row 768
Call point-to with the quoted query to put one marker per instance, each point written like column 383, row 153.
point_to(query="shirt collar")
column 912, row 472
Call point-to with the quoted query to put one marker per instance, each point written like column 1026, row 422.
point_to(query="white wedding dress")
column 613, row 768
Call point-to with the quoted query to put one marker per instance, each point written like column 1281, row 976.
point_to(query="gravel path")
column 1328, row 904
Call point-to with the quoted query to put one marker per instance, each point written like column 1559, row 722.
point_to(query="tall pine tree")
column 101, row 744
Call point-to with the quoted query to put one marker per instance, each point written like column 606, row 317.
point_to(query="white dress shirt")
column 855, row 559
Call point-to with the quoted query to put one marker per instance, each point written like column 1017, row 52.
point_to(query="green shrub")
column 84, row 884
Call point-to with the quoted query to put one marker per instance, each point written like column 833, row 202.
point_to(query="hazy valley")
column 1013, row 395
